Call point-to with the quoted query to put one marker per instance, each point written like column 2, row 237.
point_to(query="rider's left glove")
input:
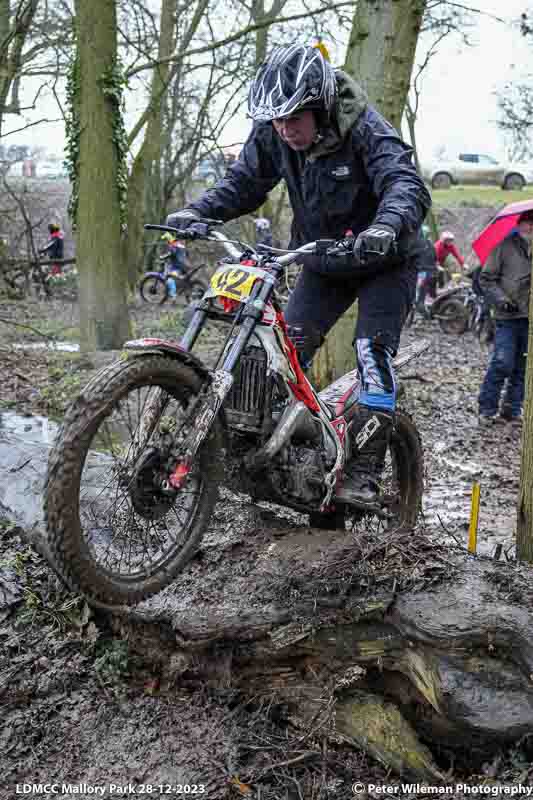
column 182, row 219
column 375, row 242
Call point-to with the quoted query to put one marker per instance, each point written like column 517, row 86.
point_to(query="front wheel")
column 154, row 289
column 116, row 532
column 453, row 317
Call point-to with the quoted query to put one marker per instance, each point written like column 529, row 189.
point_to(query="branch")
column 29, row 125
column 475, row 11
column 28, row 327
column 241, row 34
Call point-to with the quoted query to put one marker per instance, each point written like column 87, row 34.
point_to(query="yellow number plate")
column 234, row 282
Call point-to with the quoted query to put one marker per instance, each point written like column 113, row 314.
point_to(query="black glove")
column 375, row 242
column 507, row 307
column 182, row 219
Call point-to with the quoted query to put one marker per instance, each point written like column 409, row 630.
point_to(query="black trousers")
column 385, row 298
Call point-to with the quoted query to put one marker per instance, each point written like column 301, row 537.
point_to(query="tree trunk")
column 381, row 51
column 524, row 522
column 147, row 162
column 405, row 639
column 337, row 354
column 104, row 318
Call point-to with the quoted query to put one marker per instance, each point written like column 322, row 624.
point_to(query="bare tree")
column 515, row 105
column 103, row 309
column 15, row 23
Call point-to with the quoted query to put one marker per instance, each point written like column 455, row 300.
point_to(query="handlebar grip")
column 180, row 234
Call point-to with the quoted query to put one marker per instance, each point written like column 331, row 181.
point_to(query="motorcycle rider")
column 346, row 170
column 445, row 246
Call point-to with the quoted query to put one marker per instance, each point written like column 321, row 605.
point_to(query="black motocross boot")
column 369, row 435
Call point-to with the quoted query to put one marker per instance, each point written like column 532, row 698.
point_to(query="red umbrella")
column 502, row 224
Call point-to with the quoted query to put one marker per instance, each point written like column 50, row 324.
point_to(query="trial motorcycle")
column 134, row 474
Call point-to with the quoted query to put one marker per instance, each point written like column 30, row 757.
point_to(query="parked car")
column 477, row 168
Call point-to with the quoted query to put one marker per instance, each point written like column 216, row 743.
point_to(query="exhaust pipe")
column 290, row 420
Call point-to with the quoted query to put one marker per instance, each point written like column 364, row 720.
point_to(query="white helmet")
column 447, row 235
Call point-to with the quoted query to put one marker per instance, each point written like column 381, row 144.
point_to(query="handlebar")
column 202, row 230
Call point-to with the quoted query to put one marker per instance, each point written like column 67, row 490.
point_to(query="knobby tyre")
column 153, row 290
column 401, row 483
column 114, row 535
column 403, row 474
column 195, row 290
column 453, row 317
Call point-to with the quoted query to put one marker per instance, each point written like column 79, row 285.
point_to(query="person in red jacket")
column 54, row 248
column 445, row 246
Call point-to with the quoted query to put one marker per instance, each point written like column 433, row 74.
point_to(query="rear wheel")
column 453, row 317
column 116, row 531
column 514, row 182
column 194, row 290
column 154, row 290
column 442, row 180
column 402, row 479
column 401, row 483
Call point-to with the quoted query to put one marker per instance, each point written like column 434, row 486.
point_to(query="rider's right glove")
column 182, row 219
column 374, row 242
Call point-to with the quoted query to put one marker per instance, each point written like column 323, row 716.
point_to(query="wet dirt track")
column 442, row 393
column 77, row 706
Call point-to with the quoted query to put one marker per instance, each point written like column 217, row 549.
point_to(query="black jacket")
column 54, row 247
column 506, row 276
column 423, row 256
column 360, row 172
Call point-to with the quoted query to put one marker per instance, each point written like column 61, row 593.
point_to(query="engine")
column 297, row 474
column 248, row 405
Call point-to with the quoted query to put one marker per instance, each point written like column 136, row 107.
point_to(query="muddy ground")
column 77, row 706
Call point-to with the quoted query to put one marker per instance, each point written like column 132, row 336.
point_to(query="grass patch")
column 478, row 196
column 57, row 329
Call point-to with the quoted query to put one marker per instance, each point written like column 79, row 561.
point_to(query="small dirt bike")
column 467, row 312
column 134, row 474
column 154, row 286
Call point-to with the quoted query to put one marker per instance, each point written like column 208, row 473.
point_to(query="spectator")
column 505, row 280
column 54, row 248
column 426, row 264
column 263, row 231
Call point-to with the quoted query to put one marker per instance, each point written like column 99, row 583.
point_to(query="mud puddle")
column 34, row 428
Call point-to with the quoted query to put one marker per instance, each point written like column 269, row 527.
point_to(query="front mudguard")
column 444, row 297
column 138, row 348
column 154, row 275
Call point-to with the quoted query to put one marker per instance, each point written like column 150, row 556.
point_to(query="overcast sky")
column 457, row 108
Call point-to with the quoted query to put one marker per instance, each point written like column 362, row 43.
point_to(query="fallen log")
column 394, row 642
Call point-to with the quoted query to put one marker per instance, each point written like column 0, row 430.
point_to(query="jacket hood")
column 351, row 101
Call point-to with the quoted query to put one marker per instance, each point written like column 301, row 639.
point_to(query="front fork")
column 205, row 415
